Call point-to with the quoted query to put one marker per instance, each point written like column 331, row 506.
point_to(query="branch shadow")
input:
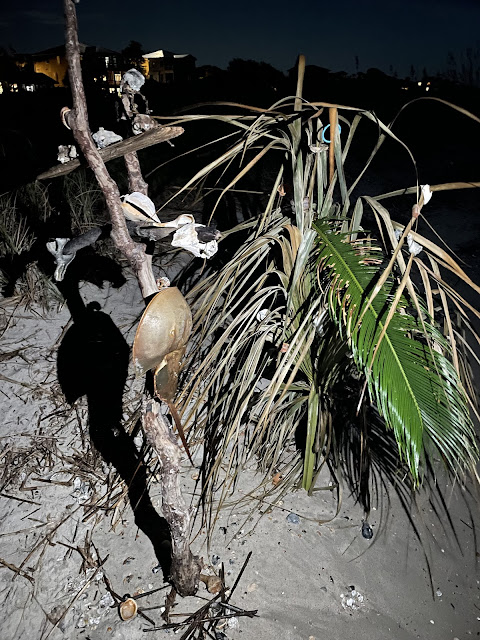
column 93, row 361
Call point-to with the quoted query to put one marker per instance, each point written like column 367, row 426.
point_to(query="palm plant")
column 312, row 310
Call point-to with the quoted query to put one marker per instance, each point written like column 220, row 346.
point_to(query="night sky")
column 392, row 33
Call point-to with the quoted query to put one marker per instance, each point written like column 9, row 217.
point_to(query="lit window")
column 112, row 89
column 419, row 84
column 29, row 87
column 118, row 77
column 104, row 78
column 427, row 88
column 107, row 60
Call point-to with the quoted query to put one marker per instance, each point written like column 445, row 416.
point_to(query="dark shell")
column 367, row 531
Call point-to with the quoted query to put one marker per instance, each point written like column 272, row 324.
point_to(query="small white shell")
column 128, row 609
column 180, row 221
column 104, row 138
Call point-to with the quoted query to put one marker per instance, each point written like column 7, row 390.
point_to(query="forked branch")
column 185, row 567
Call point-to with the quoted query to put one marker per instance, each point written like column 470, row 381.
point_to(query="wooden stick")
column 185, row 567
column 135, row 177
column 135, row 143
column 300, row 78
column 17, row 570
column 77, row 120
column 185, row 570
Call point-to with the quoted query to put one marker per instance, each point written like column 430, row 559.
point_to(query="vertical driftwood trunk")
column 185, row 570
column 185, row 566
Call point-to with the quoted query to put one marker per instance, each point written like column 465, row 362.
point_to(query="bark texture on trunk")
column 185, row 571
column 77, row 120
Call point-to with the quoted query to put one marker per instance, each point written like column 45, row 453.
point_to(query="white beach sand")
column 307, row 580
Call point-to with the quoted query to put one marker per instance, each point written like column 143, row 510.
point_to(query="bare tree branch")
column 185, row 571
column 77, row 120
column 136, row 143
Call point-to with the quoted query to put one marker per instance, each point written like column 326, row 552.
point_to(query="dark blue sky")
column 330, row 34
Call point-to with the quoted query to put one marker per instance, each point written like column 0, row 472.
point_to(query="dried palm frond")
column 309, row 306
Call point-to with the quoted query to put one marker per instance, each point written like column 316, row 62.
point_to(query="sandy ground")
column 307, row 580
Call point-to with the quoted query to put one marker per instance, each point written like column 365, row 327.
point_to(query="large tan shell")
column 165, row 326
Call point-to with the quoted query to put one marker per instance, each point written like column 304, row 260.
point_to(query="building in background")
column 102, row 66
column 166, row 67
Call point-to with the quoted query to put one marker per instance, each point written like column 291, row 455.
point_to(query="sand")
column 306, row 580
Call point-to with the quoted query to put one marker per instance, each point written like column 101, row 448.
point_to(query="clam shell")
column 128, row 609
column 164, row 327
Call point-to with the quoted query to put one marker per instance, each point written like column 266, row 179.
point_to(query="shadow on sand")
column 93, row 361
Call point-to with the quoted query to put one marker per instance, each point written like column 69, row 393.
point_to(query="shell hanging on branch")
column 164, row 330
column 104, row 138
column 134, row 79
column 139, row 208
column 67, row 152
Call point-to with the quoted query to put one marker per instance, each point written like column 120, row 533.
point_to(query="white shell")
column 427, row 193
column 186, row 237
column 104, row 138
column 143, row 209
column 180, row 221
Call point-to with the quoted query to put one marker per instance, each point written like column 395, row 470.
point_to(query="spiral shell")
column 128, row 609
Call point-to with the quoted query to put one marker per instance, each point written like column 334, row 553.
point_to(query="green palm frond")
column 411, row 379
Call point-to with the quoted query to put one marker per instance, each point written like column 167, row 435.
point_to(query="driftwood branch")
column 135, row 177
column 135, row 143
column 77, row 120
column 185, row 570
column 185, row 567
